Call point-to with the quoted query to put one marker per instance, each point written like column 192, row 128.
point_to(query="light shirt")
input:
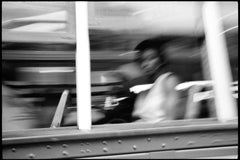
column 150, row 104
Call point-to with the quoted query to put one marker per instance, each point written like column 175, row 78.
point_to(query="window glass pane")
column 229, row 18
column 119, row 72
column 38, row 61
column 35, row 16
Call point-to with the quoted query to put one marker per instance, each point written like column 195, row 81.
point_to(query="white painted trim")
column 83, row 81
column 219, row 62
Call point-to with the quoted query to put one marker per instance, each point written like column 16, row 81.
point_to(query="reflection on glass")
column 35, row 16
column 140, row 53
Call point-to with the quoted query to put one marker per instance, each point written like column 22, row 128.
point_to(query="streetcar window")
column 134, row 47
column 115, row 29
column 38, row 59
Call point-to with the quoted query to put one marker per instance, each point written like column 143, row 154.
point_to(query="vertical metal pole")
column 219, row 62
column 83, row 81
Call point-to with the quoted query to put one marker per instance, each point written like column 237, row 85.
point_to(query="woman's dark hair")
column 157, row 44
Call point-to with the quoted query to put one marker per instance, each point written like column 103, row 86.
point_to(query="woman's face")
column 150, row 61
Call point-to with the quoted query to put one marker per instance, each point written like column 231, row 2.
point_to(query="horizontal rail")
column 101, row 130
column 103, row 140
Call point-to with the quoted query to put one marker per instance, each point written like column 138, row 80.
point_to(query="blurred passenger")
column 16, row 113
column 161, row 101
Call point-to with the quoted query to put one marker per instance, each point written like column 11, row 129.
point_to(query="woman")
column 161, row 101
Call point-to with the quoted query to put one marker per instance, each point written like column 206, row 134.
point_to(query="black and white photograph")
column 120, row 80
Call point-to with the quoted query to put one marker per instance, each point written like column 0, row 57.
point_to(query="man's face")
column 150, row 61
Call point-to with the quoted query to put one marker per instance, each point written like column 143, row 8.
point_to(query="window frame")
column 69, row 38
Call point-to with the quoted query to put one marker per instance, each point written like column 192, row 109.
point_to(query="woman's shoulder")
column 168, row 80
column 167, row 76
column 171, row 81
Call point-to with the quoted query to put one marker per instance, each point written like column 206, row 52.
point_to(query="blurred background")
column 38, row 46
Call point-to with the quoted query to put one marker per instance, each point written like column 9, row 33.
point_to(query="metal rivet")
column 119, row 141
column 88, row 150
column 191, row 142
column 13, row 149
column 48, row 147
column 105, row 150
column 31, row 155
column 134, row 147
column 176, row 138
column 82, row 151
column 65, row 153
column 149, row 139
column 82, row 144
column 65, row 145
column 163, row 145
column 104, row 142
